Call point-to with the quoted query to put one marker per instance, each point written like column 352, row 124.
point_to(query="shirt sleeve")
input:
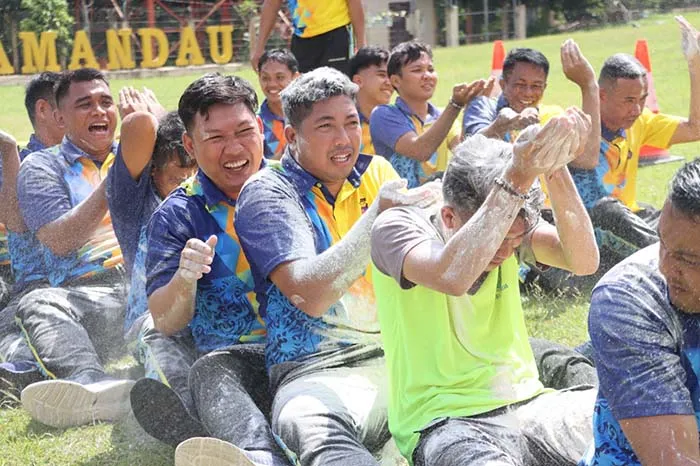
column 272, row 225
column 636, row 355
column 42, row 194
column 394, row 234
column 169, row 229
column 658, row 129
column 480, row 113
column 125, row 195
column 386, row 125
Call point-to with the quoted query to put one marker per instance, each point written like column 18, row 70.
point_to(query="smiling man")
column 609, row 189
column 413, row 134
column 277, row 68
column 368, row 71
column 644, row 323
column 76, row 322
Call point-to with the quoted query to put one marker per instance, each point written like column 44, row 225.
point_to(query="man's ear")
column 395, row 81
column 357, row 79
column 449, row 217
column 58, row 116
column 43, row 108
column 188, row 144
column 290, row 134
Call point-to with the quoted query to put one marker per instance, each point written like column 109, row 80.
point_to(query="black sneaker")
column 14, row 376
column 162, row 414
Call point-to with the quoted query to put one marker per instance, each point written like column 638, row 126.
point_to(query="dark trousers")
column 72, row 329
column 332, row 48
column 168, row 359
column 232, row 396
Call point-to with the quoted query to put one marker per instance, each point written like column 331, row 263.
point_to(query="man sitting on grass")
column 413, row 134
column 644, row 323
column 463, row 382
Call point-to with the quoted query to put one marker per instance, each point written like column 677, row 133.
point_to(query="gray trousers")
column 167, row 359
column 231, row 394
column 332, row 412
column 71, row 330
column 553, row 429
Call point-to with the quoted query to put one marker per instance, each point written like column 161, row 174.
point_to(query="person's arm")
column 689, row 130
column 138, row 138
column 571, row 244
column 454, row 267
column 664, row 440
column 268, row 18
column 578, row 70
column 314, row 284
column 357, row 19
column 172, row 305
column 9, row 207
column 422, row 147
column 73, row 229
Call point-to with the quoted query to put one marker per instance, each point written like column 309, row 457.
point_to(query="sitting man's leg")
column 231, row 393
column 561, row 367
column 161, row 402
column 68, row 329
column 492, row 439
column 334, row 416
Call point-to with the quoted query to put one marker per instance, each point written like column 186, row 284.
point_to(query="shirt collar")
column 501, row 103
column 433, row 112
column 610, row 135
column 267, row 114
column 211, row 193
column 72, row 153
column 363, row 119
column 35, row 144
column 303, row 181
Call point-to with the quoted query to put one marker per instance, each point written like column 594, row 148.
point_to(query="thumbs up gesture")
column 196, row 258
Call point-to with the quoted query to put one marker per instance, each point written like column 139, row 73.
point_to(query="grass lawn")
column 24, row 442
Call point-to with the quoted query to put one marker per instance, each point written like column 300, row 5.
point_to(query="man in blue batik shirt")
column 644, row 324
column 199, row 280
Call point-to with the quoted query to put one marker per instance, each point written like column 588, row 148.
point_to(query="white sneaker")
column 61, row 403
column 208, row 451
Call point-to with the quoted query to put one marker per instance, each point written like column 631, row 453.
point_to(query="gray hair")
column 299, row 97
column 620, row 66
column 471, row 174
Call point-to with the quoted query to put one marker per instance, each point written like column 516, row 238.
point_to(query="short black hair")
column 76, row 76
column 366, row 57
column 169, row 144
column 40, row 87
column 685, row 189
column 283, row 56
column 620, row 66
column 212, row 89
column 525, row 55
column 405, row 53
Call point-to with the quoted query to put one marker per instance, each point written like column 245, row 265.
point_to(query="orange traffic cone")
column 497, row 59
column 641, row 53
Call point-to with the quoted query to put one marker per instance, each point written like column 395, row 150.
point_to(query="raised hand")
column 154, row 106
column 690, row 39
column 576, row 68
column 196, row 258
column 463, row 94
column 509, row 120
column 539, row 150
column 131, row 101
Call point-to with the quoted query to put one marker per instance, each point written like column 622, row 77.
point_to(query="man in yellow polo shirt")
column 609, row 191
column 323, row 31
column 463, row 383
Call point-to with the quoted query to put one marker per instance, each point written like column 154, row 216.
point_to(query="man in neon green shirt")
column 463, row 383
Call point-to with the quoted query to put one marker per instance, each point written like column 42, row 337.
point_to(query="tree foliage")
column 49, row 15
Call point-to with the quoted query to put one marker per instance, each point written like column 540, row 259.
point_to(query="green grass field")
column 24, row 442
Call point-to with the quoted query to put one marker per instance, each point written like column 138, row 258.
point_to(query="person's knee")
column 41, row 303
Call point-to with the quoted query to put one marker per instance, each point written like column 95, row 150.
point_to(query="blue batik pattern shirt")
column 34, row 145
column 131, row 204
column 226, row 311
column 52, row 182
column 273, row 130
column 647, row 354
